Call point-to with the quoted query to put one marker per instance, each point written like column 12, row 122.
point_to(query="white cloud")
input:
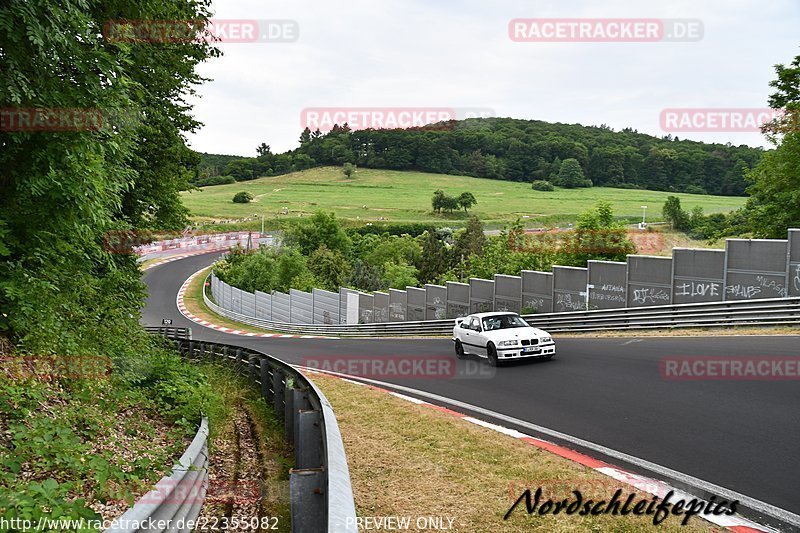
column 359, row 53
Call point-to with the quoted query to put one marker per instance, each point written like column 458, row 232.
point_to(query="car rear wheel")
column 491, row 354
column 460, row 349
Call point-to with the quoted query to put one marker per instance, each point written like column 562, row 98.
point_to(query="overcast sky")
column 390, row 53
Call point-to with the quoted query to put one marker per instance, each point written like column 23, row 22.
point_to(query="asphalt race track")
column 741, row 435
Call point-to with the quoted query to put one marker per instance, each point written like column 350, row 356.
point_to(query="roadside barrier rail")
column 764, row 312
column 170, row 331
column 321, row 495
column 176, row 499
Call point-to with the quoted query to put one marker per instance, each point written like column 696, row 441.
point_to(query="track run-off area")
column 741, row 435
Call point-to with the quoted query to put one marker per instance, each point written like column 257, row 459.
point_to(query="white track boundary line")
column 651, row 486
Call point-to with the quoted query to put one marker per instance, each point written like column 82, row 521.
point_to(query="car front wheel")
column 460, row 349
column 491, row 354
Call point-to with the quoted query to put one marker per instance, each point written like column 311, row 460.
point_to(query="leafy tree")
column 214, row 180
column 263, row 150
column 507, row 254
column 399, row 275
column 450, row 203
column 542, row 185
column 242, row 197
column 434, row 258
column 330, row 268
column 61, row 192
column 570, row 175
column 696, row 217
column 363, row 245
column 393, row 249
column 365, row 276
column 674, row 213
column 466, row 200
column 292, row 272
column 249, row 271
column 437, row 201
column 597, row 236
column 348, row 169
column 472, row 240
column 321, row 229
column 521, row 150
column 774, row 203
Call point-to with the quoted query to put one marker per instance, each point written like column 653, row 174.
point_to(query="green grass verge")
column 403, row 196
column 410, row 461
column 84, row 437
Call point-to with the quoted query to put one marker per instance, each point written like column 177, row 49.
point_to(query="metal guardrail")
column 170, row 331
column 176, row 499
column 321, row 496
column 766, row 312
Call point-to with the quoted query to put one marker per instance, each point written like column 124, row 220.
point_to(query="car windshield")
column 491, row 323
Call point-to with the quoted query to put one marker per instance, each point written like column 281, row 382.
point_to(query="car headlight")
column 544, row 340
column 508, row 343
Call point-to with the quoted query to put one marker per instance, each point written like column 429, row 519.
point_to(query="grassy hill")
column 405, row 196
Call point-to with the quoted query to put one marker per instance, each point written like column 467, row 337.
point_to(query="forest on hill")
column 510, row 149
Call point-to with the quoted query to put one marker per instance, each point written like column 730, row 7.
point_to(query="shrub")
column 694, row 189
column 542, row 185
column 242, row 197
column 415, row 229
column 215, row 180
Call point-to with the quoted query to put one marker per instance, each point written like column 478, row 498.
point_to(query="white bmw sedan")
column 501, row 336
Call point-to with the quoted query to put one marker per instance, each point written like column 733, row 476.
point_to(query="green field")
column 399, row 196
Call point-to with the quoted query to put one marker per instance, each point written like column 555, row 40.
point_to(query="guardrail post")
column 251, row 369
column 277, row 391
column 307, row 499
column 202, row 352
column 270, row 391
column 290, row 414
column 190, row 349
column 265, row 378
column 308, row 441
column 238, row 365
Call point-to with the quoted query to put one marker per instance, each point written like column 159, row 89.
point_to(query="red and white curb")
column 205, row 323
column 176, row 258
column 647, row 485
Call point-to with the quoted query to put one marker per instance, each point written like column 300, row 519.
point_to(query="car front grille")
column 532, row 342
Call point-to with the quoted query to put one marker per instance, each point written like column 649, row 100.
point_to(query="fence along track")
column 766, row 312
column 321, row 495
